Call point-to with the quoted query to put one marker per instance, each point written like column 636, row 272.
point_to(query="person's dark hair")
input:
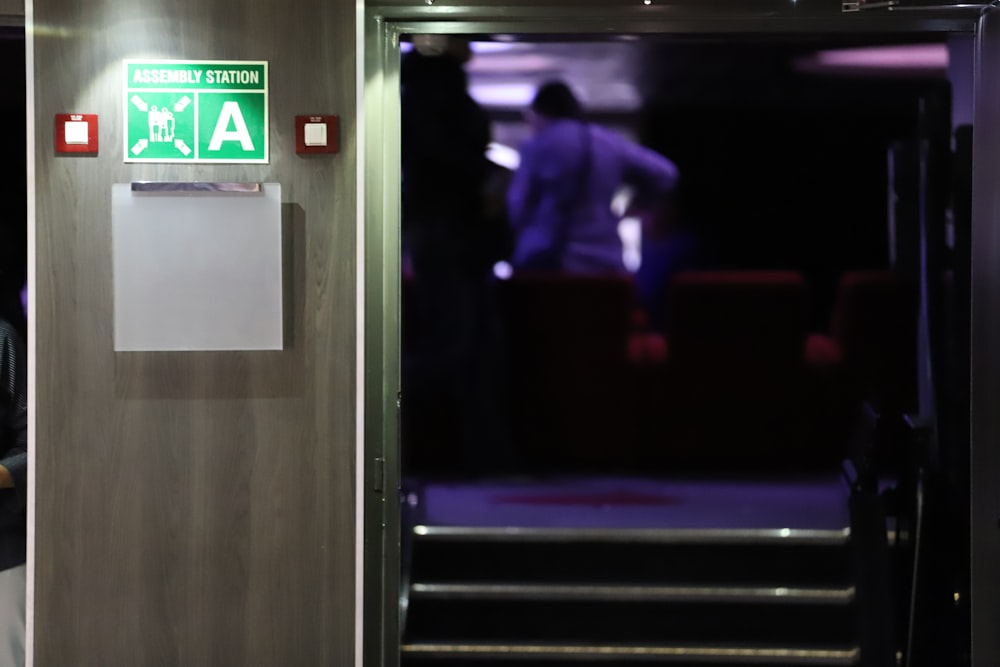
column 555, row 100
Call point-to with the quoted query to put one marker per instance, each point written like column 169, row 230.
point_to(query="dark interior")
column 14, row 185
column 835, row 204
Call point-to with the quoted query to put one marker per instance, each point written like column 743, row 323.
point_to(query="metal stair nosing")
column 645, row 593
column 725, row 654
column 709, row 536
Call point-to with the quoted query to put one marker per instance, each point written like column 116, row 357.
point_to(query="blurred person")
column 445, row 134
column 13, row 285
column 559, row 202
column 14, row 308
column 453, row 368
column 13, row 494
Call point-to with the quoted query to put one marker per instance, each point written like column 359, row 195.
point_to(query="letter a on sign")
column 230, row 113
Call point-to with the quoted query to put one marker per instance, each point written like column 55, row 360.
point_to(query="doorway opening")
column 745, row 487
column 14, row 186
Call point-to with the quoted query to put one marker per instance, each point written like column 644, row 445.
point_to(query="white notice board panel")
column 197, row 266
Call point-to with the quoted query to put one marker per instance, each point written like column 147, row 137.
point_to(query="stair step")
column 672, row 654
column 644, row 593
column 752, row 558
column 678, row 597
column 705, row 536
column 628, row 621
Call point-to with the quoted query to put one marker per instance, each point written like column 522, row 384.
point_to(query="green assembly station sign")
column 195, row 111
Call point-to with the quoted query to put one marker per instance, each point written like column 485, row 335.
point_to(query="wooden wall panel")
column 194, row 508
column 11, row 7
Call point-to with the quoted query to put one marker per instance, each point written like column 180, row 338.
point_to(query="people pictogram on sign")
column 161, row 124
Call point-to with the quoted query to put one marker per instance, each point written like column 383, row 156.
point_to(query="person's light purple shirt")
column 553, row 181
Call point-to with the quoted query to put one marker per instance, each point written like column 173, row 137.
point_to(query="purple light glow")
column 903, row 57
column 477, row 47
column 493, row 47
column 516, row 95
column 505, row 156
column 506, row 63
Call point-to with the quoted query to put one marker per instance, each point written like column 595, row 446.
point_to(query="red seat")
column 750, row 319
column 737, row 392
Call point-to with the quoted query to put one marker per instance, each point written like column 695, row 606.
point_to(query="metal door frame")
column 379, row 161
column 985, row 346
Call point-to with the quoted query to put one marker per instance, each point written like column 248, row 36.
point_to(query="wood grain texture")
column 194, row 509
column 11, row 7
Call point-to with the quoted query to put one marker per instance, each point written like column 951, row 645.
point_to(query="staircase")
column 571, row 596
